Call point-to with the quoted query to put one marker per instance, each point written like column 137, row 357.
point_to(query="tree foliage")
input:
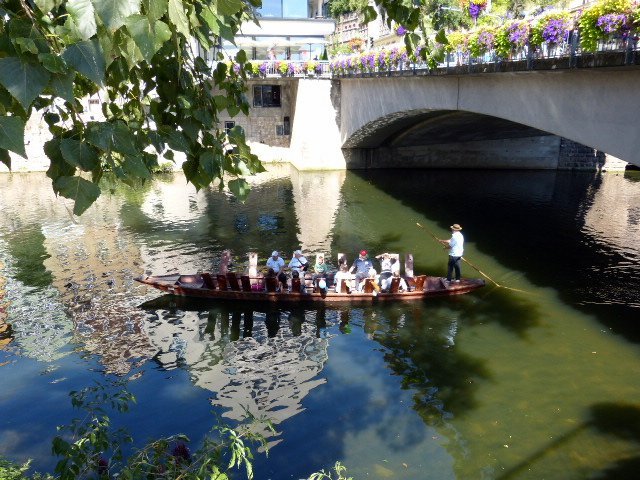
column 158, row 92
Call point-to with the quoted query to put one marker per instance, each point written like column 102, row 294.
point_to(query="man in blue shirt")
column 456, row 250
column 362, row 265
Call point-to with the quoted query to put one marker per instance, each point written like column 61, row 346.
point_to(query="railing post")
column 573, row 56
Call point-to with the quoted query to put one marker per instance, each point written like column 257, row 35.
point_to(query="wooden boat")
column 231, row 287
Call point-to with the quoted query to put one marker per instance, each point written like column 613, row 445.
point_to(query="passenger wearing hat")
column 362, row 265
column 456, row 249
column 276, row 263
column 298, row 263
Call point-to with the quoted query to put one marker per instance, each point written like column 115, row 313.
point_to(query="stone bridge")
column 574, row 118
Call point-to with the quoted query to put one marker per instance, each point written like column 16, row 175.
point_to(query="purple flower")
column 181, row 453
column 291, row 69
column 555, row 30
column 518, row 33
column 382, row 59
column 263, row 68
column 474, row 10
column 613, row 23
column 486, row 40
column 236, row 68
column 400, row 31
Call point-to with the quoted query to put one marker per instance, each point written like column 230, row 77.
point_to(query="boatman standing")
column 456, row 249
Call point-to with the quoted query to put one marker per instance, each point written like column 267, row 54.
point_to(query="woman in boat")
column 341, row 275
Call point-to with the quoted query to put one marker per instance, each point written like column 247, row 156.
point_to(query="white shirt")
column 386, row 284
column 297, row 263
column 276, row 264
column 456, row 244
column 342, row 276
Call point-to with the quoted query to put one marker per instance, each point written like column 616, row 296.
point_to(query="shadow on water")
column 29, row 253
column 536, row 222
column 620, row 421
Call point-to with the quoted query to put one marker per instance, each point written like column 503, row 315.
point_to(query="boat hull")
column 433, row 287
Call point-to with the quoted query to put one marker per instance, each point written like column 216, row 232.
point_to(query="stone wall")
column 574, row 156
column 266, row 125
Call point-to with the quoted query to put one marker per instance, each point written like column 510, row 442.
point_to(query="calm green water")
column 537, row 380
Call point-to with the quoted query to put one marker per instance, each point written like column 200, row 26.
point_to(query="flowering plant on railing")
column 473, row 7
column 481, row 41
column 512, row 37
column 604, row 19
column 552, row 28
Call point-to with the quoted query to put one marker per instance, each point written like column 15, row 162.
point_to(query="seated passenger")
column 342, row 274
column 276, row 263
column 298, row 263
column 373, row 277
column 361, row 265
column 385, row 266
column 386, row 284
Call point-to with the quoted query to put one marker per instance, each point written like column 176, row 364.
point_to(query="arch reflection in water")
column 264, row 361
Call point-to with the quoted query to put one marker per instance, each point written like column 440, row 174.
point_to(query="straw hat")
column 456, row 227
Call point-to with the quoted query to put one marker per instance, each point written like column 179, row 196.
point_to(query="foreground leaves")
column 155, row 93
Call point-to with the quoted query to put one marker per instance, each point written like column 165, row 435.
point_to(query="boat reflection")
column 261, row 360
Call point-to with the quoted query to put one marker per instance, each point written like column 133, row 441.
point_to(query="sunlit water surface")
column 535, row 379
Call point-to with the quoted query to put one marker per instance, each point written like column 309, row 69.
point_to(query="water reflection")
column 441, row 386
column 263, row 361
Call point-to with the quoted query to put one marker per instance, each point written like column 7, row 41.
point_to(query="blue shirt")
column 362, row 266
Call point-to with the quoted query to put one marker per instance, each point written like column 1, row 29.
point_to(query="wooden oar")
column 472, row 265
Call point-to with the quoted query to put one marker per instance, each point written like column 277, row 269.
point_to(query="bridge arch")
column 524, row 110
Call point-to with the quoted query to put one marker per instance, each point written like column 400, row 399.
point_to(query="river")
column 536, row 378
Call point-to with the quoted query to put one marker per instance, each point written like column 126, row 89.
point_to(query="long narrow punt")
column 202, row 286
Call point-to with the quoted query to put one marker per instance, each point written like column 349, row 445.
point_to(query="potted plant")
column 551, row 29
column 481, row 41
column 605, row 20
column 512, row 38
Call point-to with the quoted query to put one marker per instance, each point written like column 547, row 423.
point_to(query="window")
column 266, row 96
column 228, row 126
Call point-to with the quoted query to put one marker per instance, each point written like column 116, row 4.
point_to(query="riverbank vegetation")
column 91, row 448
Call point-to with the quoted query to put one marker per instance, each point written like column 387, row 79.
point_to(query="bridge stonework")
column 542, row 119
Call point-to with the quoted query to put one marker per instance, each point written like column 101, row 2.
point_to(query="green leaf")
column 441, row 37
column 45, row 6
column 58, row 167
column 114, row 137
column 229, row 7
column 82, row 16
column 26, row 45
column 370, row 14
column 12, row 135
column 210, row 164
column 53, row 63
column 240, row 188
column 81, row 191
column 5, row 158
column 114, row 12
column 134, row 166
column 79, row 154
column 154, row 9
column 148, row 36
column 179, row 18
column 62, row 86
column 25, row 81
column 88, row 59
